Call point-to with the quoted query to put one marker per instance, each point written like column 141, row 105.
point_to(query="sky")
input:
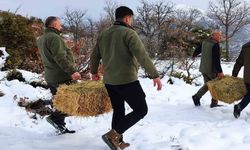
column 44, row 8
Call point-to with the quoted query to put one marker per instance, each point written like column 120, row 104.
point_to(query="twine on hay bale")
column 87, row 98
column 228, row 89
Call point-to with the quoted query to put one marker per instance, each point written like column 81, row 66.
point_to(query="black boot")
column 196, row 100
column 214, row 103
column 61, row 129
column 64, row 130
column 237, row 111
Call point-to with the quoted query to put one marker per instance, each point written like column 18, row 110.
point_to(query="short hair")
column 50, row 20
column 123, row 11
column 216, row 32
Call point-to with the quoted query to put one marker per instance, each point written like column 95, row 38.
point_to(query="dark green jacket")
column 56, row 56
column 243, row 60
column 121, row 50
column 210, row 57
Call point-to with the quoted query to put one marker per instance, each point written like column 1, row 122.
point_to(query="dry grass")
column 87, row 98
column 228, row 89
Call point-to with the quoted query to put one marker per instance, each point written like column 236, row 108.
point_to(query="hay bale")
column 227, row 89
column 87, row 98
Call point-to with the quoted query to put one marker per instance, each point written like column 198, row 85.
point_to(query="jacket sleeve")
column 239, row 63
column 137, row 49
column 216, row 58
column 95, row 58
column 59, row 54
column 197, row 50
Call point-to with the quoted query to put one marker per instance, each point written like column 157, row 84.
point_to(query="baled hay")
column 227, row 89
column 87, row 98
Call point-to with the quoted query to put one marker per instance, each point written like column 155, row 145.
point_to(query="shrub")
column 180, row 75
column 18, row 38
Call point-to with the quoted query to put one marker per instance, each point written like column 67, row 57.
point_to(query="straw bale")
column 228, row 89
column 87, row 98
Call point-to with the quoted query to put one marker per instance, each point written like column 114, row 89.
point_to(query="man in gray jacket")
column 210, row 65
column 58, row 65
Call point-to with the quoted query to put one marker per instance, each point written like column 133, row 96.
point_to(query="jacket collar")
column 121, row 23
column 50, row 29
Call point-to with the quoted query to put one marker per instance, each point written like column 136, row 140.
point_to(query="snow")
column 172, row 123
column 3, row 58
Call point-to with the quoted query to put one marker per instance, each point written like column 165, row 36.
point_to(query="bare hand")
column 157, row 81
column 76, row 76
column 95, row 77
column 220, row 75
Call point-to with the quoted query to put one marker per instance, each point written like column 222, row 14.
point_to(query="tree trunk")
column 227, row 45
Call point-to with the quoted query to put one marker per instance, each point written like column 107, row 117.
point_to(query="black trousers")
column 134, row 96
column 245, row 101
column 57, row 116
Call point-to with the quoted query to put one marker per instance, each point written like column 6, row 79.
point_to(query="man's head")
column 217, row 36
column 53, row 22
column 124, row 14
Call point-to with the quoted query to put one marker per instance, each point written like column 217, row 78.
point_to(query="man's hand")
column 220, row 75
column 95, row 77
column 76, row 76
column 157, row 81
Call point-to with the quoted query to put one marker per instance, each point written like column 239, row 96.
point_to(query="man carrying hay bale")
column 59, row 66
column 120, row 49
column 243, row 60
column 210, row 65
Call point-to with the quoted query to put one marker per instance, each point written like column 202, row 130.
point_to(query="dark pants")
column 245, row 101
column 203, row 90
column 57, row 116
column 134, row 96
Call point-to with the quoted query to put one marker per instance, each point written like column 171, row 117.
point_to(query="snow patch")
column 4, row 57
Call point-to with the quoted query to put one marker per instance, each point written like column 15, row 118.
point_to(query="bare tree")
column 232, row 15
column 186, row 19
column 110, row 8
column 73, row 20
column 109, row 18
column 90, row 33
column 150, row 21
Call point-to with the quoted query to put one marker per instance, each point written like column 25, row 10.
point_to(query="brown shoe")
column 112, row 139
column 122, row 144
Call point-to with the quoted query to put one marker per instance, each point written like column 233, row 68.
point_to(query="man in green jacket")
column 210, row 65
column 120, row 50
column 243, row 60
column 58, row 64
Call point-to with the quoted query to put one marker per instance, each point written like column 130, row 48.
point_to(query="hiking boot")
column 196, row 100
column 61, row 129
column 112, row 139
column 122, row 144
column 214, row 103
column 237, row 111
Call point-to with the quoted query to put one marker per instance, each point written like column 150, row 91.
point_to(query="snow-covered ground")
column 172, row 123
